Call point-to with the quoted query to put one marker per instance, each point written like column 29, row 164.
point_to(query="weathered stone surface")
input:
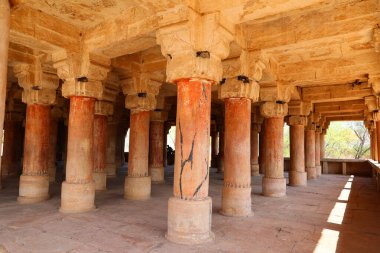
column 274, row 109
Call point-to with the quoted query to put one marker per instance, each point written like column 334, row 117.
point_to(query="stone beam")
column 333, row 19
column 340, row 107
column 41, row 31
column 343, row 92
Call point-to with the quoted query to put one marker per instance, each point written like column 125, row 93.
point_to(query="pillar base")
column 255, row 170
column 33, row 189
column 111, row 170
column 157, row 175
column 189, row 221
column 77, row 198
column 297, row 178
column 52, row 173
column 318, row 169
column 274, row 187
column 311, row 173
column 137, row 188
column 236, row 202
column 100, row 180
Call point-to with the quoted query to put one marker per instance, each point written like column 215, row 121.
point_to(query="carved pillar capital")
column 274, row 109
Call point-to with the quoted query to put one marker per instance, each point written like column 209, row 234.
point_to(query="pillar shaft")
column 214, row 148
column 8, row 163
column 191, row 170
column 297, row 174
column 310, row 154
column 274, row 183
column 78, row 191
column 255, row 151
column 4, row 44
column 111, row 149
column 221, row 151
column 318, row 167
column 236, row 195
column 52, row 155
column 100, row 144
column 322, row 141
column 34, row 181
column 156, row 151
column 262, row 148
column 138, row 181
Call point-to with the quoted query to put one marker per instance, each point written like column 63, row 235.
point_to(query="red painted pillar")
column 138, row 182
column 274, row 183
column 34, row 181
column 236, row 195
column 52, row 167
column 322, row 141
column 111, row 149
column 100, row 143
column 9, row 168
column 78, row 191
column 310, row 153
column 156, row 152
column 297, row 174
column 318, row 167
column 262, row 149
column 189, row 211
column 255, row 130
column 214, row 148
column 221, row 151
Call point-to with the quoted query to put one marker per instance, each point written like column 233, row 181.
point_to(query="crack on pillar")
column 189, row 159
column 203, row 181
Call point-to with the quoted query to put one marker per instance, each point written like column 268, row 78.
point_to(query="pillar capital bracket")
column 160, row 116
column 299, row 108
column 239, row 87
column 297, row 120
column 141, row 91
column 195, row 48
column 39, row 84
column 372, row 103
column 274, row 109
column 278, row 92
column 82, row 73
column 104, row 108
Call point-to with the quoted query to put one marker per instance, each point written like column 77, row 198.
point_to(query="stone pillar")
column 111, row 149
column 214, row 146
column 322, row 141
column 8, row 164
column 374, row 133
column 4, row 44
column 318, row 167
column 78, row 190
column 103, row 109
column 194, row 52
column 52, row 155
column 138, row 182
column 236, row 195
column 262, row 149
column 166, row 132
column 255, row 130
column 100, row 143
column 156, row 147
column 274, row 183
column 221, row 150
column 297, row 174
column 34, row 181
column 189, row 214
column 310, row 152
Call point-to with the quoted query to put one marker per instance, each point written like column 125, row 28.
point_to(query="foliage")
column 343, row 140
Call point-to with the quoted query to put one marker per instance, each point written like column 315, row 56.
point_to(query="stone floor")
column 314, row 219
